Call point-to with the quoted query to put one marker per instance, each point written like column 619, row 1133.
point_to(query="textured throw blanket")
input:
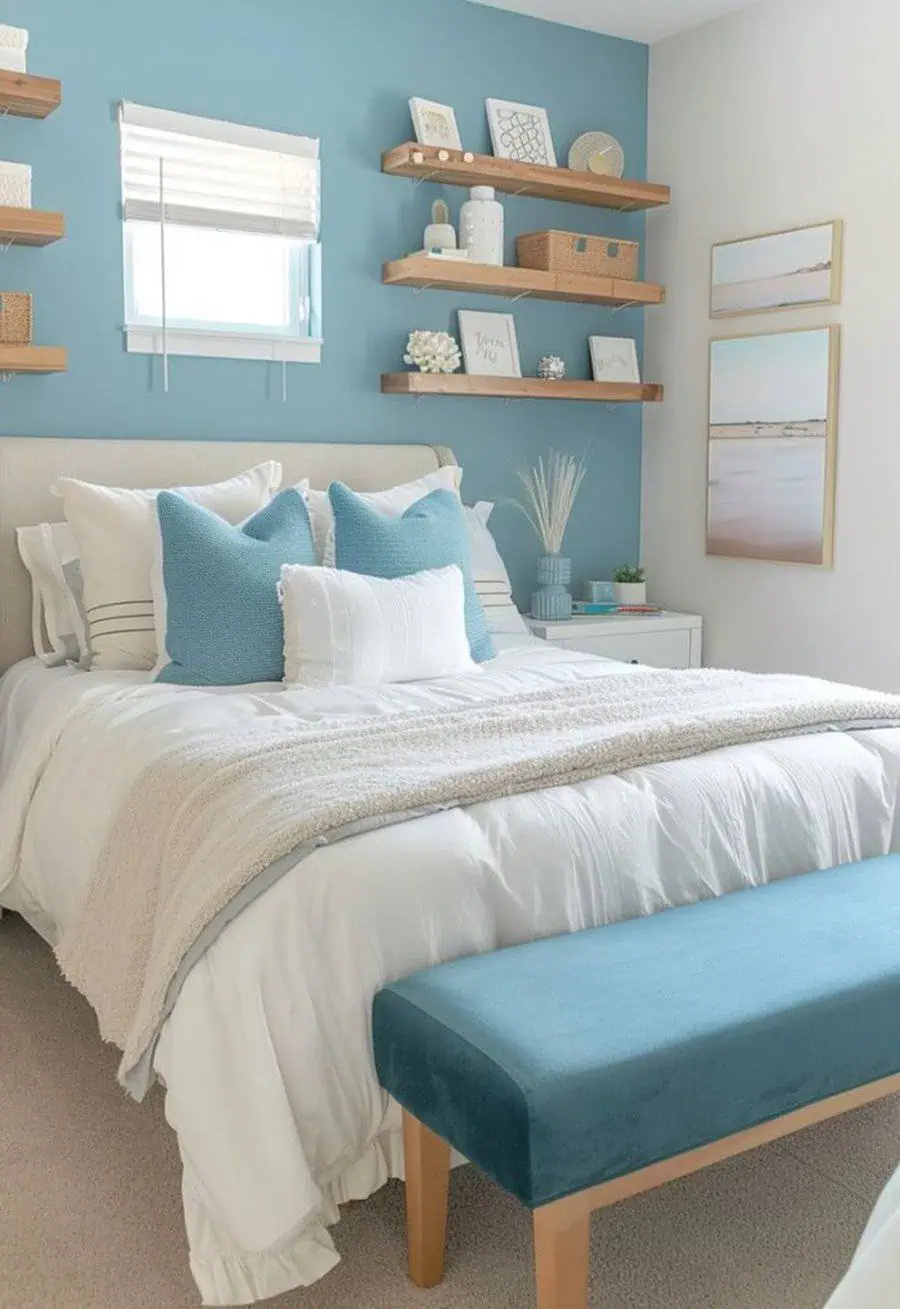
column 219, row 816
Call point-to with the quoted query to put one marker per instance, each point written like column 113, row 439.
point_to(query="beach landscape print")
column 772, row 438
column 781, row 271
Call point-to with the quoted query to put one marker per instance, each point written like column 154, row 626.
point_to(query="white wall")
column 784, row 114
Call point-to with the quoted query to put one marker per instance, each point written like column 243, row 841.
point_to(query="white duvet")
column 266, row 1056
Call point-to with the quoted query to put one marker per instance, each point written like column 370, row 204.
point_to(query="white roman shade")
column 218, row 174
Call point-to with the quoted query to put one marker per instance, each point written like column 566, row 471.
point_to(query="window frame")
column 296, row 344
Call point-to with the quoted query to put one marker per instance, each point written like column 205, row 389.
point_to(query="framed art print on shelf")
column 773, row 404
column 614, row 359
column 520, row 132
column 489, row 344
column 781, row 270
column 434, row 124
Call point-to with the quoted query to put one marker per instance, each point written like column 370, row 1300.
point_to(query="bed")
column 266, row 1054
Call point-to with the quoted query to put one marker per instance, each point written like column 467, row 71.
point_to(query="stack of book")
column 583, row 608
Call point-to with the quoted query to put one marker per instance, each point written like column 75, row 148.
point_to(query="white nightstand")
column 663, row 640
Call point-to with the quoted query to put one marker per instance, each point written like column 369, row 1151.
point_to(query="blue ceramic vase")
column 551, row 601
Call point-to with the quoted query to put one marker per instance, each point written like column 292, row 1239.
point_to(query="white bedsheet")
column 266, row 1057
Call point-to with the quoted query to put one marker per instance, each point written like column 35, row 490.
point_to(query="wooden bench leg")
column 427, row 1188
column 561, row 1257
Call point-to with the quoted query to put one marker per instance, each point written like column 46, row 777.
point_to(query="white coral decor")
column 432, row 352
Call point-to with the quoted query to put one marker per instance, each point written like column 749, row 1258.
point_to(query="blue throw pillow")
column 431, row 534
column 224, row 625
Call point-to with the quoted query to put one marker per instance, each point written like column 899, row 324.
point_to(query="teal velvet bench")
column 583, row 1069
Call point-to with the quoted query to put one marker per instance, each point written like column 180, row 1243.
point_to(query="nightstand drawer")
column 669, row 649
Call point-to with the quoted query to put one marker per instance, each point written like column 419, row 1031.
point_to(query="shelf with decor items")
column 520, row 388
column 33, row 359
column 27, row 96
column 463, row 168
column 490, row 279
column 30, row 226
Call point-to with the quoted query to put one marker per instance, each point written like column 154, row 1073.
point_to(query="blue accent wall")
column 342, row 71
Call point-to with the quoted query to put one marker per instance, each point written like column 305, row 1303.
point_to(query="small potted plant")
column 631, row 589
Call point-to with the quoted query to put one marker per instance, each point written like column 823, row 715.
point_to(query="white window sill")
column 222, row 345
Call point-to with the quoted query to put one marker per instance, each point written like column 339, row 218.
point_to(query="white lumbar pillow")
column 489, row 574
column 115, row 530
column 342, row 628
column 392, row 502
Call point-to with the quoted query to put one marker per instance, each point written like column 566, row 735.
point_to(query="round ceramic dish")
column 597, row 152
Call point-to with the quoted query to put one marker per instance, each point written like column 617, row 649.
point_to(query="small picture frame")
column 434, row 124
column 489, row 344
column 614, row 359
column 520, row 132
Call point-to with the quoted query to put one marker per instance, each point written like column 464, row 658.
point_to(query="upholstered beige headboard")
column 28, row 466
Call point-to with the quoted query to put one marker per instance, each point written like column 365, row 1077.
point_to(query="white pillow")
column 342, row 628
column 50, row 553
column 489, row 574
column 114, row 528
column 391, row 502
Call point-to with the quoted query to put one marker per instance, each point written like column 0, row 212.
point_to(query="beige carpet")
column 90, row 1208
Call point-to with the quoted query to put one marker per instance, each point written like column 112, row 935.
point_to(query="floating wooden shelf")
column 453, row 275
column 519, row 388
column 30, row 226
column 33, row 359
column 27, row 96
column 522, row 179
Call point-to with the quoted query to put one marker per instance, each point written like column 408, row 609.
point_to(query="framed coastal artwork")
column 773, row 402
column 489, row 344
column 782, row 270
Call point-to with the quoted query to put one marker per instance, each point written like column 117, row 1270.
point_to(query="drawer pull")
column 635, row 661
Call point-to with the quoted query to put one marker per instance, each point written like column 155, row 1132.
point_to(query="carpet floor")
column 90, row 1202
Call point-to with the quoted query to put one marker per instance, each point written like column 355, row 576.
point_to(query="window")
column 221, row 238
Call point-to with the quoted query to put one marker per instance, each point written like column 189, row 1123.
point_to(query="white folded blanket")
column 214, row 821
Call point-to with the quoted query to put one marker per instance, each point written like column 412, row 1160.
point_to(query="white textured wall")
column 784, row 114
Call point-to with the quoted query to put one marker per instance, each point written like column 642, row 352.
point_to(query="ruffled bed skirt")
column 227, row 1275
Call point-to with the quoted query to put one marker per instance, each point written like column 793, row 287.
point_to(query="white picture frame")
column 489, row 344
column 520, row 132
column 434, row 124
column 614, row 359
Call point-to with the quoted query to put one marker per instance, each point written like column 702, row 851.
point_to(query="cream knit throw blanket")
column 203, row 830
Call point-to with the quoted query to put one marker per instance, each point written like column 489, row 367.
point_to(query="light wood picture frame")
column 489, row 344
column 434, row 124
column 772, row 446
column 793, row 269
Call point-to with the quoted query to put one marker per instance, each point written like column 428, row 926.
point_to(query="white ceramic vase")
column 481, row 226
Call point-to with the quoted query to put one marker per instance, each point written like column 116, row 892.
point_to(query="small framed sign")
column 614, row 359
column 434, row 124
column 489, row 344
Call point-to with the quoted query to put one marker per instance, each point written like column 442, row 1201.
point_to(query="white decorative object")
column 432, row 352
column 481, row 226
column 597, row 152
column 489, row 344
column 15, row 185
column 434, row 124
column 13, row 47
column 552, row 368
column 440, row 234
column 344, row 629
column 521, row 132
column 614, row 359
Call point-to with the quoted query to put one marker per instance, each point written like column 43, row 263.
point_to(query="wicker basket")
column 15, row 318
column 570, row 252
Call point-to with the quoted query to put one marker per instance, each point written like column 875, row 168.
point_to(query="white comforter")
column 266, row 1057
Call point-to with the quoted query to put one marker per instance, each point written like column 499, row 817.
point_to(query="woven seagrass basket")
column 16, row 318
column 570, row 252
